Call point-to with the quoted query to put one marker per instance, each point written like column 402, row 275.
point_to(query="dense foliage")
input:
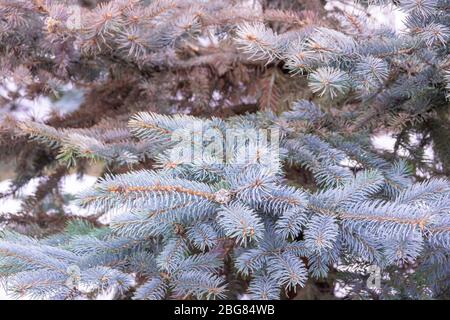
column 315, row 208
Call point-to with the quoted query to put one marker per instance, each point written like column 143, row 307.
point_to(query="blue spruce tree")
column 278, row 194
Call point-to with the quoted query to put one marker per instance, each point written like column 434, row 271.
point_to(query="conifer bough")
column 321, row 207
column 174, row 231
